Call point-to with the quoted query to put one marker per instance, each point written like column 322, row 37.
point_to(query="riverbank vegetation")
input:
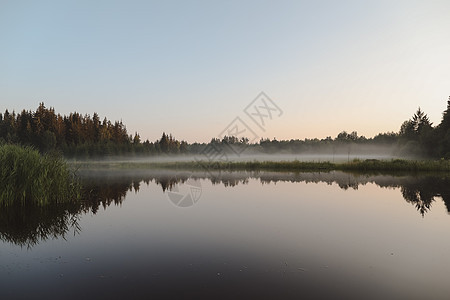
column 368, row 165
column 29, row 178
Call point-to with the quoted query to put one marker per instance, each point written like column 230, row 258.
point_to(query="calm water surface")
column 240, row 235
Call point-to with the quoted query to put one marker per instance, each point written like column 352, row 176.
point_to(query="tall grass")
column 26, row 177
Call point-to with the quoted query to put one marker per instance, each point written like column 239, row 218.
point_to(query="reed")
column 29, row 178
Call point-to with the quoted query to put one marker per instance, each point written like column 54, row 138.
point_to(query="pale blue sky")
column 191, row 67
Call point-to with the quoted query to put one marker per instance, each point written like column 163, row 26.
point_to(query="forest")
column 85, row 136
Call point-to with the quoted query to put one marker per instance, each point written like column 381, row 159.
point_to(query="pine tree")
column 445, row 123
column 164, row 143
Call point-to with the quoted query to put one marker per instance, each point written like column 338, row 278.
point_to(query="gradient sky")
column 191, row 67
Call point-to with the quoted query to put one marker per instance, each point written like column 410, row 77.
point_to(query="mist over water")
column 322, row 154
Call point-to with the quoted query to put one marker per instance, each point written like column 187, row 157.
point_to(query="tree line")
column 78, row 135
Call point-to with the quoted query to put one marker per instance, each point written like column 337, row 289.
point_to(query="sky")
column 191, row 67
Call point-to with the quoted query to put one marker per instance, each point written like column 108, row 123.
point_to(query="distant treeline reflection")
column 108, row 187
column 29, row 225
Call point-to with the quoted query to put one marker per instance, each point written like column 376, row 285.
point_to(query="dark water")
column 143, row 234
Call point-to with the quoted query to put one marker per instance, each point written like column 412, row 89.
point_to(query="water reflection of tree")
column 420, row 191
column 27, row 226
column 105, row 194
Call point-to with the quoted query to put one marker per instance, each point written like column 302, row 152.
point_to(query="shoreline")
column 368, row 165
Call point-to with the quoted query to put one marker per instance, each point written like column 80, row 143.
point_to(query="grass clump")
column 29, row 178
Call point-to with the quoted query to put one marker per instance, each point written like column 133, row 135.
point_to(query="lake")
column 167, row 234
